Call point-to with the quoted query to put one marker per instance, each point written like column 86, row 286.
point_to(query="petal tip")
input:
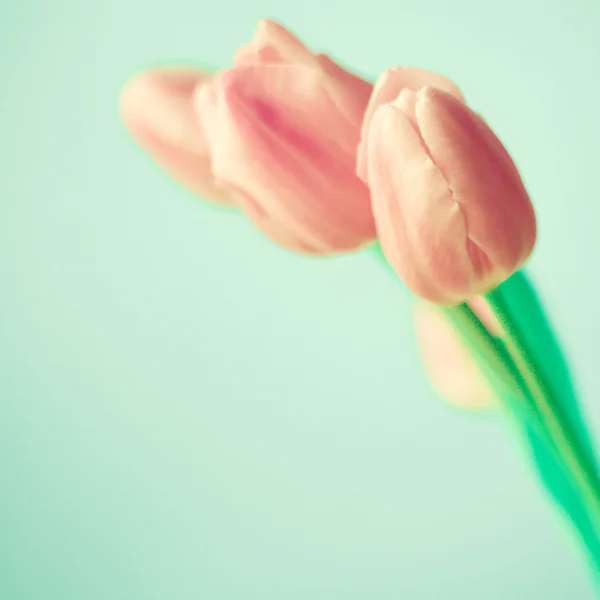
column 427, row 93
column 132, row 94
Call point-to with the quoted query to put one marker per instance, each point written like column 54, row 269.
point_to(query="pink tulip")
column 283, row 126
column 452, row 213
column 157, row 110
column 452, row 371
column 388, row 87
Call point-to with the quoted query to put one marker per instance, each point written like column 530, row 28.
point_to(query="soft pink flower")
column 451, row 369
column 283, row 126
column 157, row 110
column 388, row 87
column 453, row 216
column 275, row 135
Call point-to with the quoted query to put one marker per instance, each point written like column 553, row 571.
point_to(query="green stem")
column 559, row 433
column 540, row 402
column 490, row 356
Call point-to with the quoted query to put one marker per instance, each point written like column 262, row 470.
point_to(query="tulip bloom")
column 452, row 213
column 275, row 136
column 157, row 110
column 283, row 126
column 452, row 371
column 388, row 87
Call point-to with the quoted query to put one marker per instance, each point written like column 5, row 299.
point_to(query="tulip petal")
column 280, row 133
column 484, row 182
column 450, row 368
column 288, row 237
column 387, row 88
column 273, row 43
column 349, row 92
column 157, row 110
column 420, row 226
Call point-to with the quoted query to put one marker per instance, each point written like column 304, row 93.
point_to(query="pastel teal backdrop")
column 188, row 412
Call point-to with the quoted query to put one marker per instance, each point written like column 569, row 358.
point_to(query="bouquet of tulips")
column 323, row 162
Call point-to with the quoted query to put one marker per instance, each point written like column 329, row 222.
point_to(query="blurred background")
column 187, row 411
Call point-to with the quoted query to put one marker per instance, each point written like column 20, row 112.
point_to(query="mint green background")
column 187, row 412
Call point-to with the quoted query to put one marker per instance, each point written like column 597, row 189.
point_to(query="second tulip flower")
column 283, row 126
column 452, row 213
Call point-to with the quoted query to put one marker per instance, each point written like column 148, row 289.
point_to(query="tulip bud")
column 451, row 369
column 283, row 127
column 274, row 44
column 388, row 87
column 157, row 110
column 452, row 213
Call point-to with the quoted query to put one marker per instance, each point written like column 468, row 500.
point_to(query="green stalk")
column 529, row 374
column 561, row 436
column 490, row 355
